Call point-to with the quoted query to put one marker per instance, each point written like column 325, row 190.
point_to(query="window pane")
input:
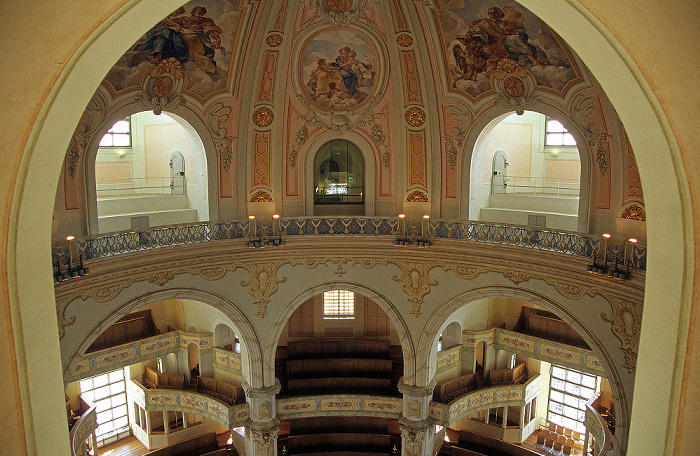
column 120, row 140
column 557, row 396
column 573, row 389
column 116, row 376
column 103, row 417
column 571, row 400
column 554, row 139
column 101, row 380
column 573, row 377
column 104, row 404
column 116, row 388
column 106, row 140
column 588, row 382
column 558, row 372
column 554, row 125
column 86, row 384
column 558, row 384
column 569, row 140
column 121, row 126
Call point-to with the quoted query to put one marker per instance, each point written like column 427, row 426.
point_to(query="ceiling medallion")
column 404, row 40
column 514, row 86
column 415, row 116
column 262, row 117
column 162, row 86
column 274, row 40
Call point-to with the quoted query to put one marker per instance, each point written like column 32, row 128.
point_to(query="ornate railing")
column 83, row 427
column 565, row 242
column 598, row 427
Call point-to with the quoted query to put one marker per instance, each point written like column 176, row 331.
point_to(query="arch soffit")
column 188, row 120
column 237, row 321
column 394, row 316
column 441, row 317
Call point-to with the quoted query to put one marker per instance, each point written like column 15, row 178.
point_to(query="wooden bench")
column 509, row 376
column 452, row 389
column 196, row 446
column 153, row 379
column 480, row 443
column 225, row 392
column 324, row 348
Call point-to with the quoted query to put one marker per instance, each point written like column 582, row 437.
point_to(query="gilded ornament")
column 338, row 6
column 417, row 196
column 161, row 278
column 634, row 212
column 162, row 86
column 261, row 196
column 274, row 40
column 415, row 283
column 514, row 86
column 516, row 276
column 415, row 116
column 404, row 40
column 626, row 319
column 262, row 117
column 262, row 284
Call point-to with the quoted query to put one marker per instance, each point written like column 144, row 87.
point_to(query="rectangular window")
column 108, row 393
column 338, row 304
column 557, row 135
column 568, row 392
column 119, row 135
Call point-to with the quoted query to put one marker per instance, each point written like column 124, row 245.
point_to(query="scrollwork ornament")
column 211, row 274
column 415, row 283
column 162, row 87
column 626, row 319
column 299, row 140
column 222, row 142
column 262, row 284
column 89, row 123
column 515, row 87
column 265, row 437
column 339, row 12
column 161, row 277
column 583, row 109
column 516, row 277
column 413, row 435
column 61, row 306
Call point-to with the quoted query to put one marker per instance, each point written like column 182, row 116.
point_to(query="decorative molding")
column 583, row 109
column 455, row 140
column 415, row 282
column 267, row 85
column 222, row 142
column 516, row 277
column 300, row 138
column 265, row 437
column 273, row 40
column 415, row 116
column 414, row 435
column 404, row 40
column 411, row 74
column 90, row 121
column 339, row 12
column 162, row 86
column 634, row 212
column 626, row 319
column 263, row 117
column 161, row 277
column 261, row 196
column 515, row 86
column 417, row 196
column 262, row 284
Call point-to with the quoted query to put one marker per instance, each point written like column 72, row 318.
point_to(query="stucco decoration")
column 477, row 35
column 404, row 40
column 299, row 140
column 515, row 87
column 516, row 276
column 414, row 435
column 217, row 115
column 417, row 196
column 626, row 319
column 415, row 116
column 263, row 117
column 415, row 282
column 583, row 108
column 261, row 196
column 265, row 437
column 89, row 123
column 262, row 284
column 634, row 212
column 339, row 12
column 454, row 142
column 273, row 40
column 161, row 277
column 162, row 86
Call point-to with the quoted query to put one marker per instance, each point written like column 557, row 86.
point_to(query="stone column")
column 505, row 416
column 263, row 424
column 523, row 411
column 417, row 428
column 149, row 427
column 94, row 442
column 166, row 423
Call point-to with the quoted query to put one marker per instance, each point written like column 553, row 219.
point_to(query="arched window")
column 339, row 172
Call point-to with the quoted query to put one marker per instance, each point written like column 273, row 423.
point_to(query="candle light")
column 276, row 218
column 252, row 232
column 402, row 218
column 424, row 226
column 604, row 247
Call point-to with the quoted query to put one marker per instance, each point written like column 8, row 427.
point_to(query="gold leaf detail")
column 261, row 197
column 634, row 212
column 161, row 278
column 417, row 196
column 516, row 276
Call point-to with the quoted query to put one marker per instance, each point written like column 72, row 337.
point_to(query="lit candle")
column 276, row 218
column 604, row 247
column 402, row 218
column 252, row 232
column 424, row 226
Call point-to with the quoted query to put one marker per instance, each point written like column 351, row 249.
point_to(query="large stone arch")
column 426, row 362
column 391, row 311
column 252, row 371
column 669, row 221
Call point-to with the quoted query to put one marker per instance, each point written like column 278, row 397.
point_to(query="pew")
column 153, row 379
column 196, row 446
column 225, row 392
column 452, row 389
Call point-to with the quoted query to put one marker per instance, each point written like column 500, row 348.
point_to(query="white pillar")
column 184, row 420
column 94, row 442
column 149, row 426
column 417, row 429
column 505, row 416
column 166, row 423
column 488, row 413
column 523, row 411
column 263, row 424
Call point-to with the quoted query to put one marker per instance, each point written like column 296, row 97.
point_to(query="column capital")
column 264, row 436
column 416, row 391
column 416, row 436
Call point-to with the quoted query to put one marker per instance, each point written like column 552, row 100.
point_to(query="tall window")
column 557, row 135
column 568, row 392
column 119, row 135
column 108, row 393
column 339, row 171
column 339, row 304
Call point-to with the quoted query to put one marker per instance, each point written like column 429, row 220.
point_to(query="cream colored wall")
column 31, row 92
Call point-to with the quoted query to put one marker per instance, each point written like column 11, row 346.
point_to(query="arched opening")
column 150, row 170
column 225, row 338
column 339, row 179
column 451, row 336
column 526, row 170
column 193, row 361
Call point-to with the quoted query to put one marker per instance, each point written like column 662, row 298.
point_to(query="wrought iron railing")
column 565, row 242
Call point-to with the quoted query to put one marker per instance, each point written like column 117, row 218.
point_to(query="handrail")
column 597, row 426
column 82, row 428
column 536, row 238
column 540, row 185
column 135, row 186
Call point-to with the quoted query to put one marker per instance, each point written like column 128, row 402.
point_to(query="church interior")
column 350, row 227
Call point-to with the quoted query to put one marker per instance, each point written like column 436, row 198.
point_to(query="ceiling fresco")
column 338, row 69
column 479, row 36
column 199, row 38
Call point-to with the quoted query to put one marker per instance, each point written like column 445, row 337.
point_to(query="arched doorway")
column 339, row 179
